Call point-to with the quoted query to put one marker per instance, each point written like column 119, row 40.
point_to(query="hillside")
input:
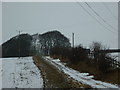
column 11, row 47
column 27, row 45
column 43, row 43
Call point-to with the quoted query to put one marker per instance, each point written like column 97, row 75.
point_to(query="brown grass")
column 86, row 66
column 91, row 67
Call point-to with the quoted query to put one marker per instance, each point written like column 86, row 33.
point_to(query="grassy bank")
column 91, row 66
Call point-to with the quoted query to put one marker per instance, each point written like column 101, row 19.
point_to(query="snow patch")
column 84, row 78
column 20, row 73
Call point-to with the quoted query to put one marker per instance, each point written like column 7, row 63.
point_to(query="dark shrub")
column 78, row 54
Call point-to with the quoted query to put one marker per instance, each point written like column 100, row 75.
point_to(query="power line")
column 109, row 11
column 100, row 16
column 94, row 17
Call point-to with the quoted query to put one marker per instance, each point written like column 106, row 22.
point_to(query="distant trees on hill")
column 34, row 44
column 44, row 42
column 12, row 46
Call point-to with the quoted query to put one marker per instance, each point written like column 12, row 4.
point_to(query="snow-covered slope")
column 84, row 78
column 20, row 73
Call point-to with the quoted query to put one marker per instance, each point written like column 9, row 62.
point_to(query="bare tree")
column 95, row 47
column 102, row 59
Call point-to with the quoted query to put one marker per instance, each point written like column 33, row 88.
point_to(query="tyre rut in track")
column 53, row 78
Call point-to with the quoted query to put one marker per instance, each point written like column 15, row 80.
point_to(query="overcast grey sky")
column 69, row 17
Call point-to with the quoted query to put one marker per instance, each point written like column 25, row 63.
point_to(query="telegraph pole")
column 73, row 39
column 19, row 41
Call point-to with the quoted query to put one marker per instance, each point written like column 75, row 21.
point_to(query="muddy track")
column 53, row 78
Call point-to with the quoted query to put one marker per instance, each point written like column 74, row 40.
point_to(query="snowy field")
column 20, row 73
column 84, row 78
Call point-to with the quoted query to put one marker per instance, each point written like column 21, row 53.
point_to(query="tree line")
column 102, row 61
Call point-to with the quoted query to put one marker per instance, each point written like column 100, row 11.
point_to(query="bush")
column 78, row 54
column 74, row 55
column 64, row 52
column 102, row 59
column 104, row 63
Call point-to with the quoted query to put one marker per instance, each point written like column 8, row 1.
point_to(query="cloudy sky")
column 89, row 21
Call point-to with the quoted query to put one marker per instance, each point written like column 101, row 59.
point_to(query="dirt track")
column 53, row 78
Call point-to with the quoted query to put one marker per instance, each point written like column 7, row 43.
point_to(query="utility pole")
column 19, row 41
column 73, row 39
